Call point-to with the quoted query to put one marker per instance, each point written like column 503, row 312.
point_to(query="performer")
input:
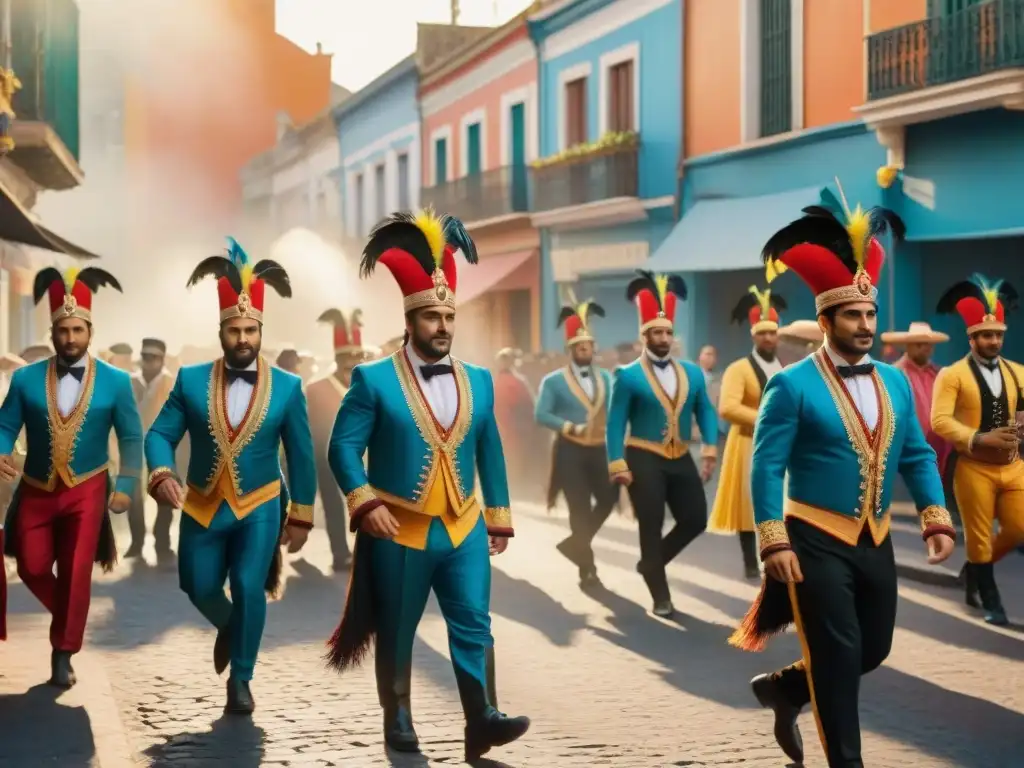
column 742, row 386
column 151, row 385
column 513, row 410
column 68, row 405
column 573, row 403
column 324, row 397
column 976, row 405
column 237, row 410
column 657, row 398
column 835, row 425
column 427, row 422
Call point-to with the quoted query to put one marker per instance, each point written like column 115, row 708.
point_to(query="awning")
column 477, row 279
column 728, row 234
column 19, row 226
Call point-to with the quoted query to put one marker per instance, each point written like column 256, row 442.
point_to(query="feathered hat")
column 240, row 285
column 655, row 297
column 759, row 308
column 982, row 304
column 71, row 293
column 834, row 250
column 575, row 318
column 348, row 333
column 419, row 250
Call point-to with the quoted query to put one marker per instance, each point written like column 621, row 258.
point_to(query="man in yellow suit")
column 738, row 401
column 975, row 407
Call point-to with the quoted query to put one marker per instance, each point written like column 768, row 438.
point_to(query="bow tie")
column 847, row 371
column 662, row 364
column 584, row 373
column 439, row 369
column 247, row 376
column 991, row 365
column 66, row 370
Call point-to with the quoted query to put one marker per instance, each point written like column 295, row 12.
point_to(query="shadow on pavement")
column 36, row 729
column 231, row 740
column 522, row 602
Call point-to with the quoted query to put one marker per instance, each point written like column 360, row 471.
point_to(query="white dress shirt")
column 769, row 369
column 861, row 388
column 666, row 376
column 69, row 389
column 239, row 397
column 994, row 379
column 586, row 382
column 441, row 392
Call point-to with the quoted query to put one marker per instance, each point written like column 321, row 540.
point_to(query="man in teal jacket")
column 657, row 398
column 573, row 403
column 427, row 422
column 838, row 426
column 237, row 411
column 68, row 404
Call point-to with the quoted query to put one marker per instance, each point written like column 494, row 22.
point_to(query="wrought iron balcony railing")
column 480, row 196
column 604, row 175
column 979, row 39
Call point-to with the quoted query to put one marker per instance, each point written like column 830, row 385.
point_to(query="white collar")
column 982, row 362
column 577, row 369
column 655, row 357
column 840, row 362
column 419, row 362
column 82, row 362
column 250, row 367
column 757, row 356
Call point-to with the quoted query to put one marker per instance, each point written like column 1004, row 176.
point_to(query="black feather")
column 677, row 285
column 565, row 314
column 777, row 301
column 44, row 279
column 216, row 267
column 399, row 231
column 1009, row 296
column 643, row 281
column 963, row 290
column 818, row 227
column 455, row 235
column 95, row 278
column 883, row 220
column 742, row 309
column 332, row 316
column 595, row 309
column 273, row 274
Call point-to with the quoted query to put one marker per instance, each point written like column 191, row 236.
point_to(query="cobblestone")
column 605, row 683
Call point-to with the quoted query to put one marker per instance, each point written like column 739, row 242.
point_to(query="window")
column 360, row 209
column 473, row 149
column 403, row 182
column 621, row 99
column 776, row 67
column 949, row 7
column 380, row 198
column 576, row 112
column 440, row 161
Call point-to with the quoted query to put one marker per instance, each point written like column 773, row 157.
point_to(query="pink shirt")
column 922, row 384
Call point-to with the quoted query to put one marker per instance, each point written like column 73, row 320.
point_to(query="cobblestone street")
column 604, row 683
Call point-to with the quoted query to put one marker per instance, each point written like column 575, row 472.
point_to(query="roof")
column 403, row 68
column 477, row 46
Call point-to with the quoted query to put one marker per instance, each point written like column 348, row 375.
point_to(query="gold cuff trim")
column 846, row 294
column 617, row 467
column 359, row 496
column 709, row 451
column 428, row 298
column 567, row 428
column 985, row 325
column 935, row 515
column 498, row 517
column 158, row 473
column 303, row 513
column 772, row 533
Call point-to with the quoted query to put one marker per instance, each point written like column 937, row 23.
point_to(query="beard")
column 70, row 353
column 660, row 349
column 240, row 356
column 432, row 347
column 848, row 346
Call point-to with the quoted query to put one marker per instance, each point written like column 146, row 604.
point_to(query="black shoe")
column 969, row 578
column 165, row 558
column 240, row 700
column 663, row 608
column 62, row 675
column 133, row 552
column 787, row 732
column 748, row 546
column 589, row 578
column 991, row 601
column 493, row 729
column 399, row 733
column 222, row 650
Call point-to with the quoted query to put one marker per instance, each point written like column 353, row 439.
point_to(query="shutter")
column 776, row 67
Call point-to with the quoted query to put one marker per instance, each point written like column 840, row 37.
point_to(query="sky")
column 368, row 37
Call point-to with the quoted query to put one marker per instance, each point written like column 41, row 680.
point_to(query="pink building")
column 479, row 133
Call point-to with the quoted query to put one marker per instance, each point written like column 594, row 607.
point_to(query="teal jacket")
column 840, row 475
column 563, row 403
column 73, row 449
column 385, row 414
column 657, row 423
column 241, row 468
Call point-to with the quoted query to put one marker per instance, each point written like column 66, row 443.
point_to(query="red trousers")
column 62, row 528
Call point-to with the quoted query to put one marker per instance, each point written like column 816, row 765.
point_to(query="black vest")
column 762, row 377
column 995, row 411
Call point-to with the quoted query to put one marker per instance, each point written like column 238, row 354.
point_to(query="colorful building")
column 479, row 134
column 610, row 107
column 825, row 90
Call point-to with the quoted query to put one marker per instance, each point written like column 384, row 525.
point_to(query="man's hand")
column 578, row 429
column 119, row 502
column 8, row 469
column 940, row 547
column 379, row 522
column 1002, row 439
column 783, row 566
column 707, row 468
column 623, row 478
column 498, row 544
column 295, row 537
column 168, row 492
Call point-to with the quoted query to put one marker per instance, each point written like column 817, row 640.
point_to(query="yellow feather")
column 991, row 298
column 70, row 276
column 581, row 310
column 432, row 228
column 661, row 281
column 763, row 299
column 246, row 277
column 858, row 226
column 773, row 269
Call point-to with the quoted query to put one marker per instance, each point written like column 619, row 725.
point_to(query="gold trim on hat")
column 243, row 308
column 440, row 296
column 860, row 290
column 659, row 322
column 988, row 323
column 764, row 325
column 70, row 308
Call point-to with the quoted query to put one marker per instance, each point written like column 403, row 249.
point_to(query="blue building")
column 379, row 137
column 610, row 93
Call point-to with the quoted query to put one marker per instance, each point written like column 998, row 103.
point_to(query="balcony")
column 45, row 130
column 496, row 194
column 592, row 178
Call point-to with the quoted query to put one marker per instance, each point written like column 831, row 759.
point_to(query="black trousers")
column 582, row 472
column 658, row 482
column 334, row 509
column 845, row 612
column 137, row 522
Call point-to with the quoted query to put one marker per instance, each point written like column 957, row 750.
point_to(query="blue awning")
column 728, row 234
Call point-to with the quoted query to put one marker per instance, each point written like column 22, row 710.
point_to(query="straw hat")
column 918, row 333
column 804, row 330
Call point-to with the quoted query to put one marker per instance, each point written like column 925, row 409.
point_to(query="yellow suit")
column 987, row 487
column 739, row 399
